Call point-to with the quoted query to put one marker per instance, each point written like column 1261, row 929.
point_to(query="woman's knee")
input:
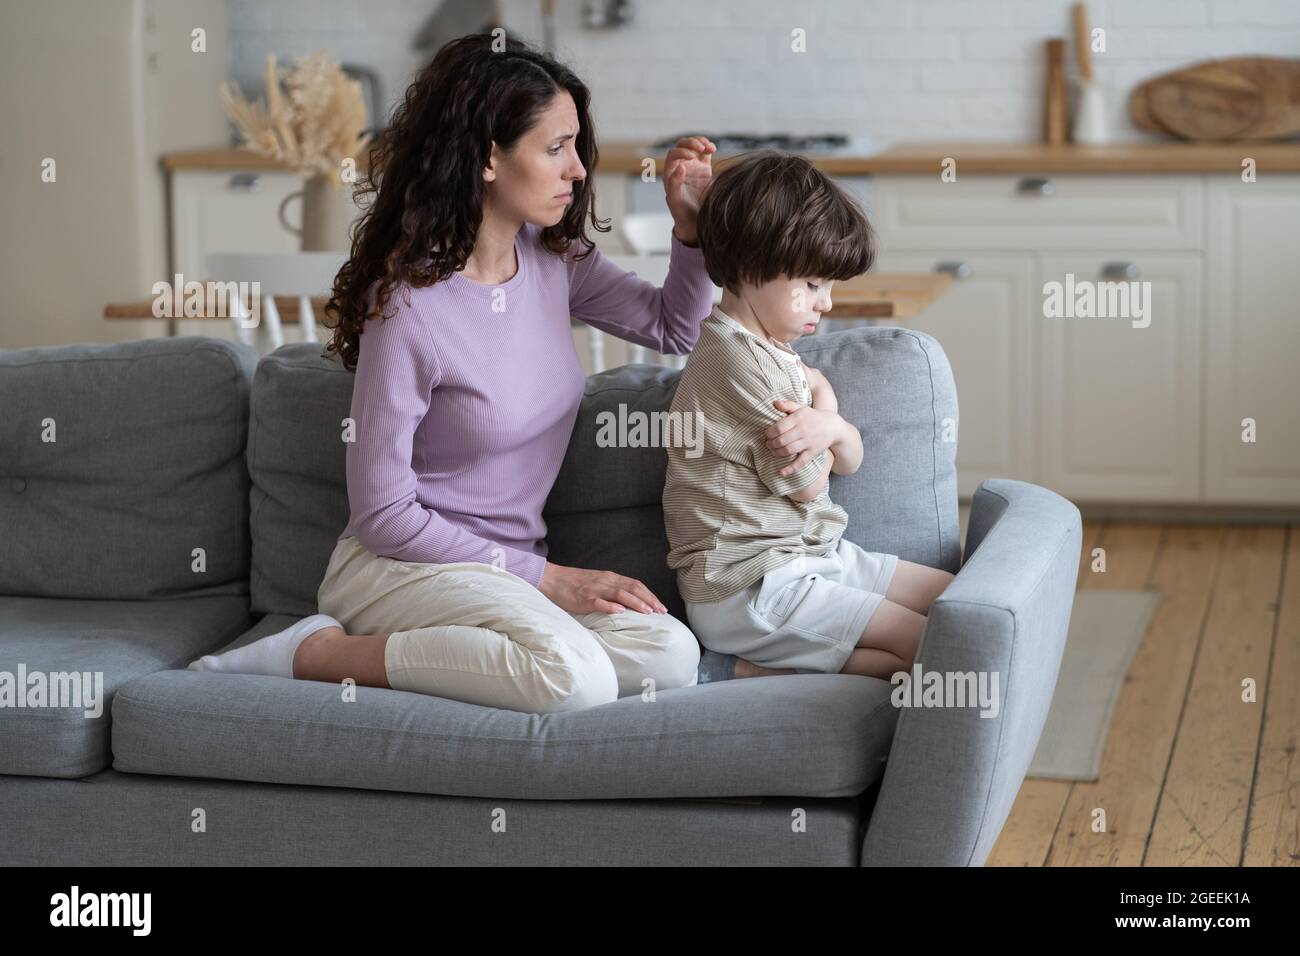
column 576, row 673
column 576, row 684
column 675, row 662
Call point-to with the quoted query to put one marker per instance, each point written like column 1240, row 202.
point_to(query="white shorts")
column 807, row 614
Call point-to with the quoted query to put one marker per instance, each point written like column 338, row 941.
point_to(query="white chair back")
column 648, row 233
column 654, row 269
column 301, row 274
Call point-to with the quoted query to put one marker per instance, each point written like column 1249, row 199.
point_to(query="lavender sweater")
column 463, row 414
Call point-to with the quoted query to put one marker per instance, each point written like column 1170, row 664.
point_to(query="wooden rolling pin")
column 1082, row 50
column 1056, row 109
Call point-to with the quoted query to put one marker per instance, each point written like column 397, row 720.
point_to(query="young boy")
column 770, row 584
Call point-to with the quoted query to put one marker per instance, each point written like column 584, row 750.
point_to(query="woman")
column 466, row 395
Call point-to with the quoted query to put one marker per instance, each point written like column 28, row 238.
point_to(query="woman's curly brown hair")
column 426, row 171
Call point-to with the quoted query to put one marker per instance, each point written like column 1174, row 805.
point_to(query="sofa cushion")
column 109, row 641
column 296, row 462
column 814, row 735
column 125, row 819
column 604, row 510
column 117, row 462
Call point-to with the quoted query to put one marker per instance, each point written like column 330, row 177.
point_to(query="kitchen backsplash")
column 896, row 69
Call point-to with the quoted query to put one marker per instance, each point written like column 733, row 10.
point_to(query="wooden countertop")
column 983, row 157
column 623, row 156
column 221, row 158
column 883, row 295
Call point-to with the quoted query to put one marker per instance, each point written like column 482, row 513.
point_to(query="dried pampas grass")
column 312, row 125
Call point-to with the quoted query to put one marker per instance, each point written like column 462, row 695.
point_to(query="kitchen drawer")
column 1026, row 212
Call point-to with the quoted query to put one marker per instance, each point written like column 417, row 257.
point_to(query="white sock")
column 271, row 656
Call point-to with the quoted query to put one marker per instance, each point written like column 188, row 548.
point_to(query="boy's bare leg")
column 331, row 655
column 888, row 644
column 915, row 586
column 746, row 668
column 872, row 662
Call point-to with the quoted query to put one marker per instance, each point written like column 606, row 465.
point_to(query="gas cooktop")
column 812, row 143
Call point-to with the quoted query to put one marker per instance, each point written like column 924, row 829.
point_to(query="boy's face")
column 790, row 307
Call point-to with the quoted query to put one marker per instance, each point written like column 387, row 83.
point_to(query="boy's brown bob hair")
column 768, row 214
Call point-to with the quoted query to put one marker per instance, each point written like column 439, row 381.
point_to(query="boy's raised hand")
column 688, row 170
column 805, row 432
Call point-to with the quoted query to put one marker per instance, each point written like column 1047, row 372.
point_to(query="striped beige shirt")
column 726, row 513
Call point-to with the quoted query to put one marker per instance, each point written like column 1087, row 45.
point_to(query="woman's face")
column 530, row 182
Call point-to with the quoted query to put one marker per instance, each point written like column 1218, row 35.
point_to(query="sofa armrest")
column 953, row 774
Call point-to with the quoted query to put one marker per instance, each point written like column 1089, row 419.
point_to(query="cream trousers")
column 472, row 632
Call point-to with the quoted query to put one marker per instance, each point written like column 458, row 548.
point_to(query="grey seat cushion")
column 822, row 735
column 125, row 819
column 122, row 472
column 119, row 640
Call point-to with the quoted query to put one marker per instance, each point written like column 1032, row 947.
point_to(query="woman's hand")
column 805, row 432
column 581, row 591
column 687, row 174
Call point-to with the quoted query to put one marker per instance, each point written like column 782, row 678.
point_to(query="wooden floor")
column 1191, row 774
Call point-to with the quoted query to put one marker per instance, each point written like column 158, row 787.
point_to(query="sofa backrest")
column 604, row 510
column 296, row 460
column 122, row 470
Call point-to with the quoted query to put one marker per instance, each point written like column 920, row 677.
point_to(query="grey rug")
column 1106, row 628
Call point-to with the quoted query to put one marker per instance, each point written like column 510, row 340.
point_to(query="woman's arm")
column 397, row 369
column 616, row 301
column 609, row 298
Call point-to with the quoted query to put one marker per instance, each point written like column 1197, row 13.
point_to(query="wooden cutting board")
column 1249, row 97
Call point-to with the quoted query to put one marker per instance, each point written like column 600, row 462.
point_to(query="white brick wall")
column 894, row 69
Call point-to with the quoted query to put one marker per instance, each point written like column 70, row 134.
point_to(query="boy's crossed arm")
column 808, row 480
column 846, row 453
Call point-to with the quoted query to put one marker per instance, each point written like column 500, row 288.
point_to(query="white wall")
column 103, row 88
column 897, row 69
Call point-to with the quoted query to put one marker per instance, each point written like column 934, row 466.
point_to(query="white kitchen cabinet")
column 229, row 211
column 1253, row 340
column 1118, row 414
column 982, row 324
column 1119, row 397
column 1067, row 211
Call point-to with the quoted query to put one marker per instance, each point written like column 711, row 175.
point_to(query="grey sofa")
column 189, row 502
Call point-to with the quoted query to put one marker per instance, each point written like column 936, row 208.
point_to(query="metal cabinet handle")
column 958, row 270
column 245, row 182
column 1035, row 186
column 1119, row 270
